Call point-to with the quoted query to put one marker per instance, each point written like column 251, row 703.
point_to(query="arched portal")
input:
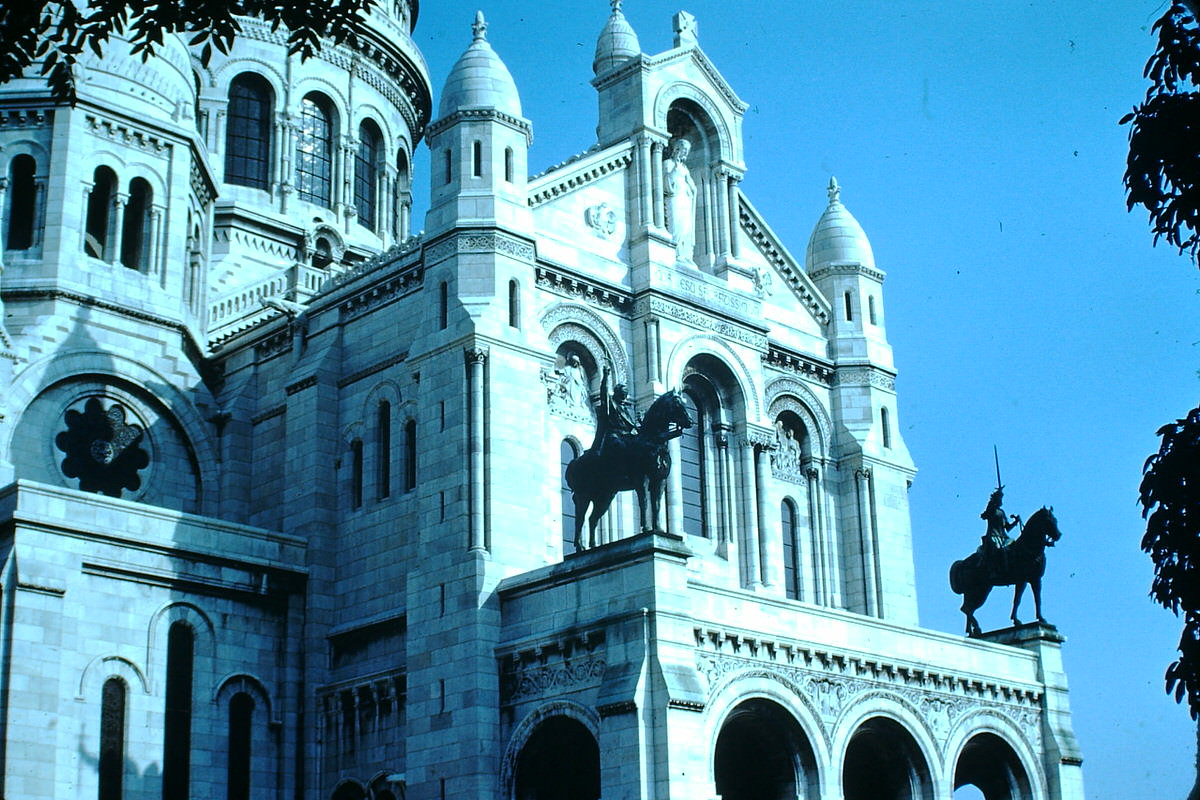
column 763, row 754
column 883, row 762
column 989, row 764
column 561, row 761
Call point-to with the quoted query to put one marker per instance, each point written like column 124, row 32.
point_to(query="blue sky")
column 978, row 145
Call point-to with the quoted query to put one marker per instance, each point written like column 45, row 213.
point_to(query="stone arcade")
column 282, row 512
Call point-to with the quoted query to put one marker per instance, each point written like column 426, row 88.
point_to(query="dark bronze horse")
column 638, row 462
column 1023, row 562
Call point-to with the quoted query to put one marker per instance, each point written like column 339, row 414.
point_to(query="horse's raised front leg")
column 1018, row 590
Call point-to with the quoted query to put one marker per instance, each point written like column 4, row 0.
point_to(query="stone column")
column 656, row 183
column 866, row 539
column 476, row 360
column 734, row 220
column 3, row 228
column 644, row 181
column 653, row 368
column 817, row 536
column 753, row 558
column 116, row 227
column 155, row 261
column 720, row 214
column 39, row 212
column 770, row 564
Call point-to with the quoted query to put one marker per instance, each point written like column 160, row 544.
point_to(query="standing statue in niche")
column 680, row 191
column 626, row 455
column 573, row 382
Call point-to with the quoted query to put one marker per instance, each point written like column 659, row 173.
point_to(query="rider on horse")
column 614, row 414
column 996, row 540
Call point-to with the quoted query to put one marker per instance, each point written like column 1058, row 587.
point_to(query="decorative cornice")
column 479, row 242
column 577, row 287
column 789, row 361
column 778, row 256
column 865, row 376
column 270, row 413
column 301, row 385
column 371, row 297
column 660, row 306
column 273, row 345
column 86, row 300
column 847, row 269
column 26, row 118
column 482, row 115
column 126, row 134
column 576, row 178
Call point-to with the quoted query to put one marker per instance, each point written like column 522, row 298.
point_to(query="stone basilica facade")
column 282, row 506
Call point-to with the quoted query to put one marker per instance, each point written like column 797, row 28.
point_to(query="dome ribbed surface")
column 617, row 44
column 479, row 79
column 837, row 237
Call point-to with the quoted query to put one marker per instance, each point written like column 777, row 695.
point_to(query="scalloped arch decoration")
column 684, row 90
column 790, row 394
column 706, row 344
column 564, row 322
column 588, row 717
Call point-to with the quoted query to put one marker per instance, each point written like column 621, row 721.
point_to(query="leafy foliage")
column 1163, row 169
column 56, row 32
column 1170, row 499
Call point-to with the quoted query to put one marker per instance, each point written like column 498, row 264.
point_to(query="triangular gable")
column 786, row 267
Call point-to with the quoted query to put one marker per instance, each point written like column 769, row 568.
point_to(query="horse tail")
column 956, row 582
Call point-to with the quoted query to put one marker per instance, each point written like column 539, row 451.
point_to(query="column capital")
column 477, row 354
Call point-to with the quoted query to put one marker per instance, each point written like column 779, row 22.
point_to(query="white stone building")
column 282, row 510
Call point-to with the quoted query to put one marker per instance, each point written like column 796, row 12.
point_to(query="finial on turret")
column 616, row 6
column 835, row 191
column 479, row 27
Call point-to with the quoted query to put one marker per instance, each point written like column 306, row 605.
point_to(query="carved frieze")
column 659, row 306
column 484, row 242
column 860, row 376
column 552, row 667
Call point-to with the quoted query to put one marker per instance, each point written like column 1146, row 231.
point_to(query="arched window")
column 849, row 298
column 21, row 203
column 177, row 736
column 356, row 473
column 691, row 468
column 871, row 309
column 112, row 739
column 514, row 304
column 410, row 455
column 248, row 131
column 241, row 717
column 383, row 453
column 314, row 151
column 886, row 425
column 788, row 520
column 508, row 164
column 366, row 173
column 566, row 454
column 98, row 230
column 443, row 305
column 135, row 230
column 476, row 159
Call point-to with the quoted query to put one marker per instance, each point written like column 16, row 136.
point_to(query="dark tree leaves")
column 55, row 32
column 1170, row 499
column 1162, row 173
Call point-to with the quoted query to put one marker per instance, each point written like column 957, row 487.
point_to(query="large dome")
column 617, row 44
column 479, row 79
column 837, row 237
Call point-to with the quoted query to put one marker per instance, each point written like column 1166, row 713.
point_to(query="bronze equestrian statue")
column 1021, row 563
column 625, row 455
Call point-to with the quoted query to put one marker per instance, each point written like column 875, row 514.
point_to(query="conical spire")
column 479, row 78
column 617, row 43
column 837, row 237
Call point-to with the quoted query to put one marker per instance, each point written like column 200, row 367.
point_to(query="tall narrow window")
column 871, row 309
column 112, row 739
column 314, row 151
column 403, row 206
column 448, row 165
column 21, row 200
column 443, row 305
column 97, row 232
column 248, row 131
column 508, row 164
column 356, row 473
column 366, row 173
column 849, row 298
column 885, row 423
column 410, row 455
column 383, row 457
column 567, row 454
column 691, row 469
column 514, row 304
column 177, row 736
column 476, row 159
column 791, row 549
column 135, row 250
column 241, row 716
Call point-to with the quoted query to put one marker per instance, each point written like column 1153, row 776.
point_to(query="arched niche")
column 884, row 762
column 762, row 754
column 990, row 764
column 560, row 759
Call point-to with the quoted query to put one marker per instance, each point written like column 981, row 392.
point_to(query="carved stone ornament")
column 102, row 449
column 601, row 219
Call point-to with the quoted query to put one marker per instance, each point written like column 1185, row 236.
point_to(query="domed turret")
column 617, row 44
column 479, row 79
column 837, row 237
